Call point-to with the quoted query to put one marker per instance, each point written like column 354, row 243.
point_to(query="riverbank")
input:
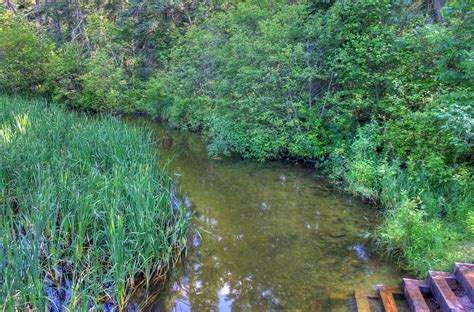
column 86, row 213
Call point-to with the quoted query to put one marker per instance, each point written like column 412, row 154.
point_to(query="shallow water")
column 272, row 236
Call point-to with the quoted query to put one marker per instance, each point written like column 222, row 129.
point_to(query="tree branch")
column 10, row 5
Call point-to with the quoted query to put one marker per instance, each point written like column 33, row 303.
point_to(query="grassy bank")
column 428, row 204
column 86, row 214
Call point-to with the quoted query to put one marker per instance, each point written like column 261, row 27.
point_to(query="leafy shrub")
column 63, row 72
column 249, row 87
column 103, row 85
column 24, row 54
column 424, row 244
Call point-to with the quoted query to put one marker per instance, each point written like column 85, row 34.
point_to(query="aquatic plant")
column 86, row 215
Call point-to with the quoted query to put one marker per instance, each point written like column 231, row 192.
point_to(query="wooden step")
column 386, row 295
column 448, row 292
column 438, row 282
column 464, row 273
column 413, row 290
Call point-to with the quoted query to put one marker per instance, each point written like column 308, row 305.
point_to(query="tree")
column 436, row 6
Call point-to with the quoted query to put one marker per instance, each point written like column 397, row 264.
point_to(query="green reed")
column 84, row 207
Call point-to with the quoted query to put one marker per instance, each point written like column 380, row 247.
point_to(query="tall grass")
column 85, row 212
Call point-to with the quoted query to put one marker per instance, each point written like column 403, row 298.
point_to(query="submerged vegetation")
column 376, row 93
column 86, row 214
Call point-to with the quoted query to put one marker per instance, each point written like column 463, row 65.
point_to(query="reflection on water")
column 270, row 236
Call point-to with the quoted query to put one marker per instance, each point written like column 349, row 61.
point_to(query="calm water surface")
column 269, row 236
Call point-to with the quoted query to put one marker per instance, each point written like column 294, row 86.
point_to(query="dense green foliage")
column 374, row 92
column 25, row 55
column 94, row 78
column 86, row 215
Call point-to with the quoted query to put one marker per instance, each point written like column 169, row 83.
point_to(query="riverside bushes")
column 88, row 76
column 24, row 55
column 86, row 213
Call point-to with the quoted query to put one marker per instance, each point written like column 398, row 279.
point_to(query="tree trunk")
column 436, row 6
column 77, row 12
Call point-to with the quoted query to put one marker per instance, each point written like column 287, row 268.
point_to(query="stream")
column 268, row 235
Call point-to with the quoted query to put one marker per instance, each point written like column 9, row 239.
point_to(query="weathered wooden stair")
column 442, row 291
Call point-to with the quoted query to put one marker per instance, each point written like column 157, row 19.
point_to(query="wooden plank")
column 395, row 290
column 386, row 295
column 446, row 298
column 362, row 301
column 464, row 273
column 413, row 294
